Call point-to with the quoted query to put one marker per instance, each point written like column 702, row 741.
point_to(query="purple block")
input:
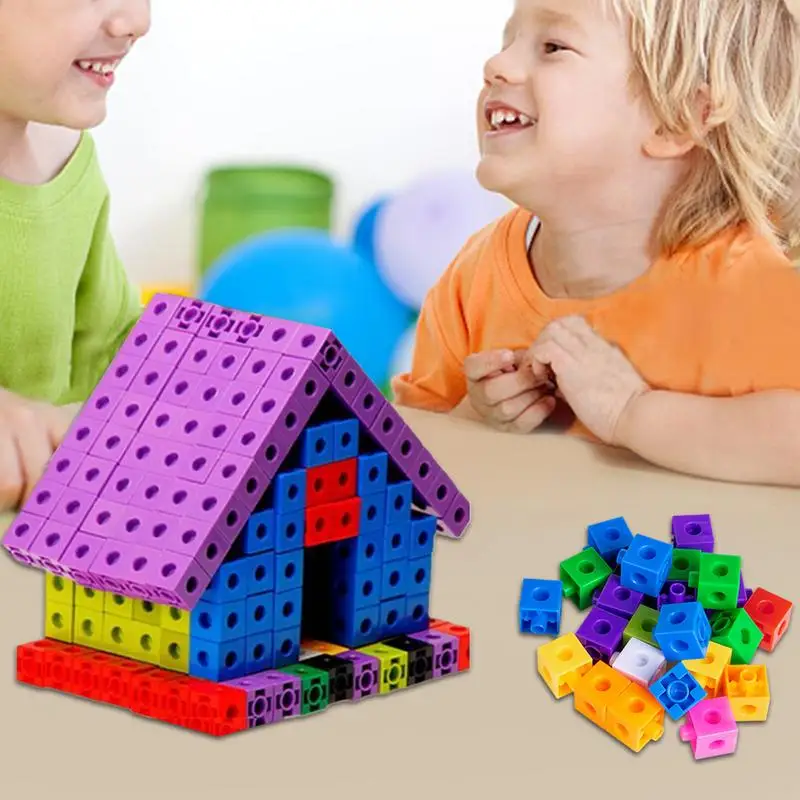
column 275, row 335
column 368, row 403
column 51, row 543
column 601, row 633
column 199, row 356
column 154, row 492
column 45, row 498
column 227, row 361
column 102, row 403
column 82, row 434
column 122, row 484
column 455, row 520
column 170, row 458
column 63, row 466
column 170, row 347
column 72, row 507
column 93, row 474
column 676, row 592
column 443, row 493
column 349, row 380
column 302, row 379
column 258, row 366
column 287, row 693
column 112, row 442
column 423, row 472
column 743, row 595
column 122, row 371
column 237, row 398
column 151, row 378
column 260, row 698
column 201, row 541
column 21, row 534
column 693, row 532
column 445, row 651
column 219, row 325
column 142, row 339
column 80, row 554
column 161, row 309
column 387, row 427
column 165, row 421
column 366, row 673
column 132, row 410
column 178, row 390
column 407, row 450
column 247, row 328
column 111, row 520
column 618, row 599
column 318, row 345
column 240, row 475
column 191, row 315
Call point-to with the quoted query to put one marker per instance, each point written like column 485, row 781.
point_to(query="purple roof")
column 180, row 440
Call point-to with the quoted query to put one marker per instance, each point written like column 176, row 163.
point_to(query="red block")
column 34, row 661
column 771, row 615
column 333, row 522
column 332, row 482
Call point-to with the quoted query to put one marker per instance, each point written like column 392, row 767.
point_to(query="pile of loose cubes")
column 671, row 631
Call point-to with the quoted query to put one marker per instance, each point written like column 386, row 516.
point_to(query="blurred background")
column 311, row 160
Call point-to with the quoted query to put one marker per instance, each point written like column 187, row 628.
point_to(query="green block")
column 313, row 687
column 582, row 574
column 717, row 581
column 736, row 629
column 641, row 626
column 684, row 563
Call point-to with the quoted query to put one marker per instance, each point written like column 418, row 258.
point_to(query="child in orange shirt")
column 640, row 280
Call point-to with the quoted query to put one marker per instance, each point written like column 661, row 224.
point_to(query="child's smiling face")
column 58, row 57
column 558, row 117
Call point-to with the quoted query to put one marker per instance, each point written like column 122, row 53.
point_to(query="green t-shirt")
column 66, row 304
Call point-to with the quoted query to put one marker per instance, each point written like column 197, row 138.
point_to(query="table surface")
column 471, row 734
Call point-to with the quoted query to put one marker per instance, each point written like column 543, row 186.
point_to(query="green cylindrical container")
column 240, row 201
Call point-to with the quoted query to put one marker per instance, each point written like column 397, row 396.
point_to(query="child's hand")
column 594, row 377
column 29, row 434
column 507, row 397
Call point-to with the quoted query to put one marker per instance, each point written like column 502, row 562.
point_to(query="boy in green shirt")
column 66, row 303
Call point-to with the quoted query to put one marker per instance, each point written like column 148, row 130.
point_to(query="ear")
column 665, row 144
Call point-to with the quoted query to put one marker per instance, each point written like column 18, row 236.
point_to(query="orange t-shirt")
column 721, row 320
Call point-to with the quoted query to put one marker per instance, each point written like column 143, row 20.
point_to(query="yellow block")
column 144, row 643
column 174, row 653
column 710, row 670
column 147, row 612
column 118, row 606
column 561, row 663
column 89, row 598
column 59, row 590
column 117, row 635
column 747, row 688
column 635, row 718
column 88, row 630
column 147, row 292
column 175, row 619
column 393, row 666
column 321, row 648
column 59, row 621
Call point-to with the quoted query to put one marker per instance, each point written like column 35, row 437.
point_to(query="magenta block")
column 170, row 347
column 240, row 475
column 121, row 372
column 237, row 398
column 407, row 450
column 260, row 697
column 318, row 345
column 258, row 367
column 178, row 388
column 82, row 434
column 209, row 430
column 113, row 521
column 349, row 380
column 132, row 410
column 368, row 403
column 202, row 541
column 166, row 421
column 693, row 532
column 92, row 475
column 142, row 339
column 710, row 729
column 227, row 361
column 302, row 379
column 51, row 543
column 247, row 328
column 387, row 427
column 102, row 403
column 219, row 324
column 21, row 534
column 161, row 309
column 78, row 558
column 122, row 484
column 271, row 405
column 275, row 335
column 154, row 492
column 191, row 315
column 199, row 356
column 151, row 378
column 63, row 465
column 112, row 442
column 170, row 458
column 366, row 674
column 205, row 393
column 45, row 498
column 445, row 651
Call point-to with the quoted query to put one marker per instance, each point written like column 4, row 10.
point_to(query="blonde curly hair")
column 743, row 57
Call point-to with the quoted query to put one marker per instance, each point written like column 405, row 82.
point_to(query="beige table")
column 494, row 731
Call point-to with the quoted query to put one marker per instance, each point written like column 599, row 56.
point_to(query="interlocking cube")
column 561, row 664
column 609, row 537
column 601, row 633
column 678, row 691
column 711, row 729
column 675, row 592
column 710, row 670
column 747, row 688
column 735, row 629
column 645, row 564
column 540, row 604
column 693, row 532
column 640, row 662
column 771, row 614
column 717, row 581
column 635, row 718
column 683, row 631
column 582, row 574
column 597, row 690
column 684, row 563
column 618, row 599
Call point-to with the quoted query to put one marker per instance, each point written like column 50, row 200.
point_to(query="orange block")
column 597, row 690
column 323, row 648
column 635, row 718
column 747, row 688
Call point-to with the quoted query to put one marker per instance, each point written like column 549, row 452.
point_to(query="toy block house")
column 238, row 529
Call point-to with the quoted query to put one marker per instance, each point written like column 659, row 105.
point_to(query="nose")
column 504, row 67
column 129, row 19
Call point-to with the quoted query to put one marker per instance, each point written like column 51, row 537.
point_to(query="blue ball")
column 364, row 232
column 304, row 276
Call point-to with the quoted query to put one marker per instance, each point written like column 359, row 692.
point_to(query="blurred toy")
column 364, row 230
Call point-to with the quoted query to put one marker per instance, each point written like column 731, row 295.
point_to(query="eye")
column 553, row 47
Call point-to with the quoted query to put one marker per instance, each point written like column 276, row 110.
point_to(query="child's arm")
column 750, row 439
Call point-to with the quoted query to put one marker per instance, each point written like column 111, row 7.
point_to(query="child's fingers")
column 11, row 477
column 34, row 450
column 534, row 415
column 508, row 411
column 508, row 386
column 482, row 365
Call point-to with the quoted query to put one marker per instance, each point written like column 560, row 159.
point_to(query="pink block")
column 112, row 442
column 45, row 498
column 63, row 465
column 161, row 309
column 301, row 378
column 151, row 378
column 82, row 434
column 101, row 403
column 277, row 335
column 240, row 475
column 228, row 360
column 258, row 367
column 79, row 556
column 711, row 729
column 92, row 475
column 171, row 346
column 199, row 356
column 132, row 410
column 122, row 484
column 21, row 534
column 191, row 315
column 122, row 371
column 112, row 520
column 50, row 545
column 170, row 458
column 141, row 340
column 237, row 398
column 318, row 345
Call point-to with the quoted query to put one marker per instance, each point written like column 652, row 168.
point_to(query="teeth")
column 525, row 119
column 101, row 68
column 502, row 117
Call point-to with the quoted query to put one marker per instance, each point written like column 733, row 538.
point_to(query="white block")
column 639, row 662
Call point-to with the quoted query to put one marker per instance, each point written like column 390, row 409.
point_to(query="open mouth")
column 505, row 118
column 99, row 67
